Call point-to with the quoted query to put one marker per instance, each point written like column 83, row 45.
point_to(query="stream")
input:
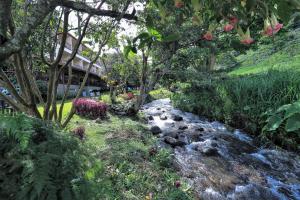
column 220, row 163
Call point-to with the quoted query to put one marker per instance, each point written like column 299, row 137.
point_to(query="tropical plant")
column 38, row 161
column 284, row 124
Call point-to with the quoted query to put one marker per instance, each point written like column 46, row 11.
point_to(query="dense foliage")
column 266, row 80
column 40, row 162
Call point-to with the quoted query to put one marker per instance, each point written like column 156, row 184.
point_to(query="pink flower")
column 208, row 36
column 228, row 27
column 268, row 31
column 272, row 26
column 247, row 41
column 233, row 20
column 278, row 27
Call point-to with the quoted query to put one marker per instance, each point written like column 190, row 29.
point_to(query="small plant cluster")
column 90, row 108
column 79, row 132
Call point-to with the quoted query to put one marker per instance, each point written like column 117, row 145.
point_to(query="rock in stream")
column 223, row 164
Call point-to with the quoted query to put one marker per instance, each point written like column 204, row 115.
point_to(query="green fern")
column 53, row 163
column 17, row 127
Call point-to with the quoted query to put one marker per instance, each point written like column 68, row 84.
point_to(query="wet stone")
column 183, row 127
column 155, row 130
column 173, row 142
column 201, row 129
column 163, row 117
column 208, row 151
column 150, row 118
column 172, row 134
column 177, row 118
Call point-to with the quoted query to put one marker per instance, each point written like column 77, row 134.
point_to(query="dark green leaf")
column 273, row 123
column 293, row 123
column 292, row 109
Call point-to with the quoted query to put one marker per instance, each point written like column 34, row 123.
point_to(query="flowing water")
column 219, row 163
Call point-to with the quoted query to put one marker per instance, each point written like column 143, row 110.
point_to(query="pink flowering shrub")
column 79, row 132
column 90, row 108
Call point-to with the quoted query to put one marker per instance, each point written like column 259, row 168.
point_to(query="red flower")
column 177, row 184
column 228, row 27
column 247, row 41
column 208, row 36
column 179, row 4
column 233, row 20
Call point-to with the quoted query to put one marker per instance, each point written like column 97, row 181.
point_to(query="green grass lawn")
column 127, row 170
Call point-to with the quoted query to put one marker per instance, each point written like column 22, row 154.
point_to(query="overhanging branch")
column 82, row 7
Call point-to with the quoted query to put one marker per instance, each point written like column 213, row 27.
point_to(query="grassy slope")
column 280, row 54
column 128, row 171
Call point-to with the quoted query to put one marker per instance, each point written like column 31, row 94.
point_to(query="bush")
column 90, row 108
column 79, row 132
column 161, row 93
column 38, row 161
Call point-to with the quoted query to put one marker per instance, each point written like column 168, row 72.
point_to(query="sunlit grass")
column 278, row 61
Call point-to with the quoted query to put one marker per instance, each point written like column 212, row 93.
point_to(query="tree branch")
column 82, row 7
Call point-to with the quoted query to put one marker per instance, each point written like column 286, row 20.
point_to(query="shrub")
column 161, row 93
column 90, row 108
column 79, row 132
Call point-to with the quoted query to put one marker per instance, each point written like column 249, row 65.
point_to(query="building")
column 79, row 65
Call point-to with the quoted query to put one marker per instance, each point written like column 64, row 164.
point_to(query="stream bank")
column 219, row 163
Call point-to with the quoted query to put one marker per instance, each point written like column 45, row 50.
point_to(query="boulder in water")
column 208, row 148
column 200, row 129
column 183, row 127
column 163, row 117
column 173, row 142
column 150, row 118
column 155, row 130
column 177, row 118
